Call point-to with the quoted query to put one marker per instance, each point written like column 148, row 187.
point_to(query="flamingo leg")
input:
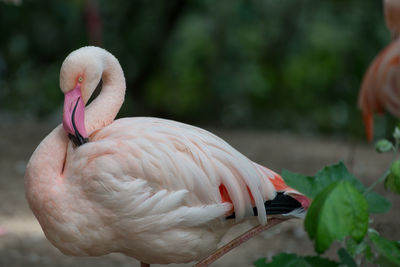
column 142, row 264
column 238, row 241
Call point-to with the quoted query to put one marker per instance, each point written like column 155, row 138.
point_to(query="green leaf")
column 392, row 181
column 261, row 262
column 292, row 260
column 312, row 186
column 335, row 173
column 389, row 251
column 377, row 203
column 302, row 183
column 345, row 258
column 383, row 145
column 338, row 211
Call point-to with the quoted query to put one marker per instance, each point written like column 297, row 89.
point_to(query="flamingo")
column 392, row 16
column 154, row 189
column 380, row 86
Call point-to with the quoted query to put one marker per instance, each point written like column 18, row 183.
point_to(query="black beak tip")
column 78, row 140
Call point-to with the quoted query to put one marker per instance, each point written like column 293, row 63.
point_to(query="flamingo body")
column 154, row 189
column 380, row 88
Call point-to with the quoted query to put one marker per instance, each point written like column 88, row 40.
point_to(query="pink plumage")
column 380, row 88
column 392, row 18
column 146, row 187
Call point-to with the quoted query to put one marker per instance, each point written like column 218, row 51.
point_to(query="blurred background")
column 293, row 65
column 278, row 80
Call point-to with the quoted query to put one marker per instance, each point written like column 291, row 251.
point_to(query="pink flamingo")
column 380, row 88
column 156, row 190
column 392, row 17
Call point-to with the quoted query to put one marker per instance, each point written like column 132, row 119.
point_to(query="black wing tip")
column 282, row 204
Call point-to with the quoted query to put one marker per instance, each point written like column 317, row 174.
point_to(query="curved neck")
column 45, row 166
column 103, row 110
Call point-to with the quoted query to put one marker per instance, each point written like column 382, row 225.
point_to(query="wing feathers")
column 174, row 156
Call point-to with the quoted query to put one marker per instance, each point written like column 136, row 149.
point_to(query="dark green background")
column 284, row 64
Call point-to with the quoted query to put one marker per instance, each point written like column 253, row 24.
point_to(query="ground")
column 22, row 242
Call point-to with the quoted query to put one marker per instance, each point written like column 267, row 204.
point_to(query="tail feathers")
column 282, row 204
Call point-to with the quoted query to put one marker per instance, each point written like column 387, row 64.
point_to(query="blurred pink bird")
column 380, row 88
column 392, row 17
column 156, row 190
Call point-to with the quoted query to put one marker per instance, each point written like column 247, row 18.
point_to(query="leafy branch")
column 340, row 211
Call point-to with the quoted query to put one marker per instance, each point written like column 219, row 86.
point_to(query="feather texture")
column 145, row 187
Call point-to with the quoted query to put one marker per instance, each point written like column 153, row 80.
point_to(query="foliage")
column 383, row 145
column 324, row 225
column 312, row 186
column 392, row 182
column 230, row 62
column 389, row 251
column 292, row 260
column 340, row 212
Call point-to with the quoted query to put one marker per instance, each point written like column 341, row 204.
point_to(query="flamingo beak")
column 74, row 116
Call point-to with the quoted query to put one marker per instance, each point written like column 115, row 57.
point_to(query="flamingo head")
column 80, row 74
column 392, row 12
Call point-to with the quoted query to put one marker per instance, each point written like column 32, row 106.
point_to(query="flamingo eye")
column 80, row 79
